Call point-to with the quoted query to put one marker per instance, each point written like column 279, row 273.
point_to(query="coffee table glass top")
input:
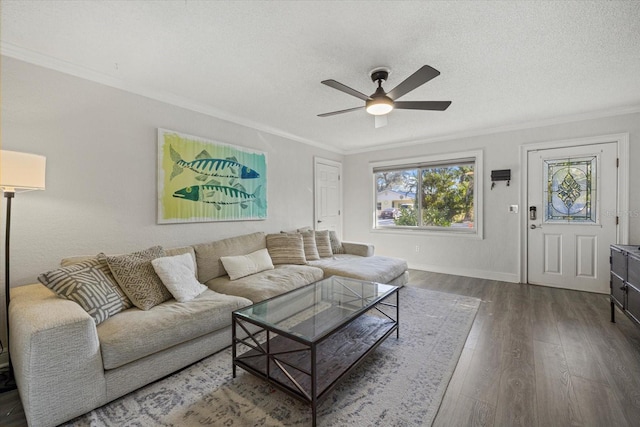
column 312, row 311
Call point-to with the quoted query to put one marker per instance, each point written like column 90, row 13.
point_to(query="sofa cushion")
column 267, row 284
column 178, row 274
column 380, row 269
column 208, row 254
column 286, row 248
column 244, row 265
column 134, row 333
column 137, row 278
column 323, row 243
column 86, row 285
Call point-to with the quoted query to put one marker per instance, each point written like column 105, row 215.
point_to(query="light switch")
column 513, row 209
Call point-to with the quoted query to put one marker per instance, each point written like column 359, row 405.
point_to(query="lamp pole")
column 7, row 284
column 24, row 172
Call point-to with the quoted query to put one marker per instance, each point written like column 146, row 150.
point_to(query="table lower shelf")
column 290, row 362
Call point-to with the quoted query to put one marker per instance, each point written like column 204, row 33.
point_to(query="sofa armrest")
column 56, row 356
column 361, row 249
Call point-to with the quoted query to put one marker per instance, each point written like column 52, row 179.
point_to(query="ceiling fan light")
column 379, row 106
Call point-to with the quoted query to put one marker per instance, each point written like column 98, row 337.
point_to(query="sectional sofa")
column 66, row 363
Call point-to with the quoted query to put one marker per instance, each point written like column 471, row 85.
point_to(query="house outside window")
column 436, row 193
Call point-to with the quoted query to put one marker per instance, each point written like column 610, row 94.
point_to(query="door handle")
column 533, row 226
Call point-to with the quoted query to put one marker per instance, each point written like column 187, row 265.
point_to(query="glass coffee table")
column 306, row 340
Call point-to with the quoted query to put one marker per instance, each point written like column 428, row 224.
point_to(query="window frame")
column 474, row 156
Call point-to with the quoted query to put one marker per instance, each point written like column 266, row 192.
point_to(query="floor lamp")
column 18, row 172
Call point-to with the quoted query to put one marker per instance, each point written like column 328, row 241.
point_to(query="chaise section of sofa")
column 379, row 269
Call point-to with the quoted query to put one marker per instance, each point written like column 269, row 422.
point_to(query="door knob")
column 533, row 226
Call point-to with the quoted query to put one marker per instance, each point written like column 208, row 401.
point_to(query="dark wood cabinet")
column 625, row 280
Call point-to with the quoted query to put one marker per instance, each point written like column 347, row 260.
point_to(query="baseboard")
column 468, row 272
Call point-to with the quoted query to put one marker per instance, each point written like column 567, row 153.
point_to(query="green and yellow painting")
column 201, row 180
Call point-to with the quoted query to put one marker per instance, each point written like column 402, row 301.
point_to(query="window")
column 435, row 193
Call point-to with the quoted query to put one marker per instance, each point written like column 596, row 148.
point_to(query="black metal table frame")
column 263, row 350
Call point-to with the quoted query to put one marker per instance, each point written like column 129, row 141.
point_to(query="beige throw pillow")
column 309, row 242
column 323, row 243
column 137, row 278
column 286, row 248
column 178, row 274
column 336, row 243
column 246, row 265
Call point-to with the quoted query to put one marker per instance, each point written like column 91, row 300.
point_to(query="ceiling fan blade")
column 333, row 113
column 380, row 121
column 422, row 105
column 416, row 79
column 346, row 89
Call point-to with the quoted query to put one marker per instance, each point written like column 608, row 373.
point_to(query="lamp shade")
column 21, row 171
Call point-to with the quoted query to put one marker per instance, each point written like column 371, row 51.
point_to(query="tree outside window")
column 433, row 195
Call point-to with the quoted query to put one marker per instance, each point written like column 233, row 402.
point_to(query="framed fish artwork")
column 200, row 180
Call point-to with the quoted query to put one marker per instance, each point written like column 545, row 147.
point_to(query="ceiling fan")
column 381, row 103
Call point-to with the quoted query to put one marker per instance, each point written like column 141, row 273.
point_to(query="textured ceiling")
column 503, row 64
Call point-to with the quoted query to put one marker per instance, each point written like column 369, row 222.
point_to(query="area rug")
column 400, row 384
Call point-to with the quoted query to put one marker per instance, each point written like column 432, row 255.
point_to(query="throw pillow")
column 178, row 274
column 137, row 278
column 336, row 244
column 100, row 264
column 87, row 286
column 286, row 248
column 323, row 243
column 309, row 244
column 245, row 265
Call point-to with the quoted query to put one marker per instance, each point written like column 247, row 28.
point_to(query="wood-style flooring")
column 535, row 356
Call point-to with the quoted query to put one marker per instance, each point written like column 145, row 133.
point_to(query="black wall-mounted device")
column 500, row 175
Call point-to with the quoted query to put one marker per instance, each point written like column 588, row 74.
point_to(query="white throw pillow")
column 178, row 274
column 245, row 265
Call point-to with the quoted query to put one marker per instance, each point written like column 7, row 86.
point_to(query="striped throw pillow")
column 286, row 248
column 323, row 243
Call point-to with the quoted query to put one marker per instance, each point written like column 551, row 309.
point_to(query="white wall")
column 100, row 145
column 497, row 255
column 101, row 150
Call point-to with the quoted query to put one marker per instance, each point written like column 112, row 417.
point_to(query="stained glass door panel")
column 570, row 190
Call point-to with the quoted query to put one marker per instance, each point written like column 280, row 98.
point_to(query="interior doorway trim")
column 622, row 233
column 316, row 162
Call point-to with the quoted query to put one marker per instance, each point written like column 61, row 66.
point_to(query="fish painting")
column 204, row 165
column 220, row 195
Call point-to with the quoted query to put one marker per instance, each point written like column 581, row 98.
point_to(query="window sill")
column 470, row 234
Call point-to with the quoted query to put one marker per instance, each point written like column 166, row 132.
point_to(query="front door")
column 328, row 195
column 572, row 199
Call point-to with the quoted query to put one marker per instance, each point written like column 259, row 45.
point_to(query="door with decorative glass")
column 572, row 199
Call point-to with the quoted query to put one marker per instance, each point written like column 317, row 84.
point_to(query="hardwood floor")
column 539, row 356
column 535, row 356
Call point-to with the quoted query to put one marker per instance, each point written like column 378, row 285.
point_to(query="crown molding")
column 45, row 61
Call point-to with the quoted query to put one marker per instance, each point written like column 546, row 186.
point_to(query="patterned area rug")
column 400, row 384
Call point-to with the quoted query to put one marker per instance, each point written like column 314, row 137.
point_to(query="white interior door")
column 328, row 195
column 574, row 193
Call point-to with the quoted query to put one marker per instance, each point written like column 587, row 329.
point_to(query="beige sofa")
column 65, row 365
